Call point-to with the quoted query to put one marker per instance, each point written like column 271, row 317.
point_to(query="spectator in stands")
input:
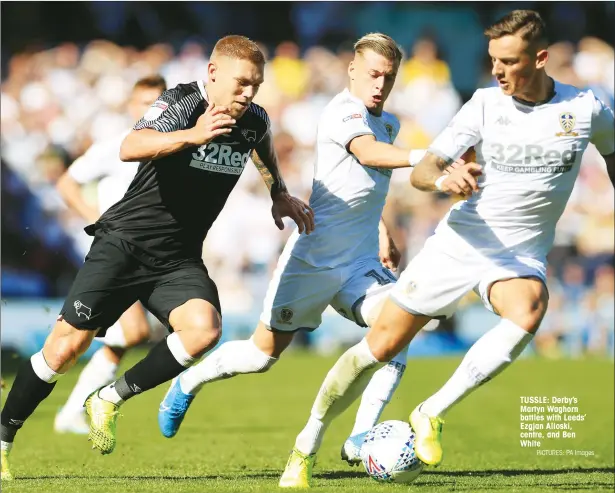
column 289, row 70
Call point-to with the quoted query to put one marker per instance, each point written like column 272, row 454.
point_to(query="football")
column 388, row 453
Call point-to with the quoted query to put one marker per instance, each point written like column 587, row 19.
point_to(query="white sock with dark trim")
column 486, row 359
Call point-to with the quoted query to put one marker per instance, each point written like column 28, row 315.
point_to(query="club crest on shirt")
column 567, row 121
column 410, row 288
column 249, row 135
column 389, row 128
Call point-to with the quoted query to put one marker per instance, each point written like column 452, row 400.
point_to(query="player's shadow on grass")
column 357, row 473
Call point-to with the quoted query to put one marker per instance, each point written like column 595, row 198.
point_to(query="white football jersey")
column 102, row 162
column 347, row 197
column 530, row 156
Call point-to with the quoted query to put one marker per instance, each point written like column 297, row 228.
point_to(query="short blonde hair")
column 239, row 47
column 379, row 43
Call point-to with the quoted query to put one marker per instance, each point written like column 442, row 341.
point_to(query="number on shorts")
column 388, row 278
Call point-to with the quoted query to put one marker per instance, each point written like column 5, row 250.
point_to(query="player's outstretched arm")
column 370, row 152
column 284, row 205
column 428, row 171
column 429, row 176
column 147, row 144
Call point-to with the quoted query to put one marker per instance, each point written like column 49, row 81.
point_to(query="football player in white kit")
column 338, row 263
column 102, row 162
column 529, row 135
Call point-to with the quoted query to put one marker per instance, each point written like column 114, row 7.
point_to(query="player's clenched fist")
column 462, row 180
column 215, row 121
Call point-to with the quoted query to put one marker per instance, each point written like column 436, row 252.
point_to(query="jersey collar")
column 347, row 93
column 201, row 85
column 551, row 95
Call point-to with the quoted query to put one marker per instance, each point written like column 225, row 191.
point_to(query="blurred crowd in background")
column 57, row 101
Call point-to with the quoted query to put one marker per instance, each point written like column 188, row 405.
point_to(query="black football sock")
column 29, row 389
column 165, row 361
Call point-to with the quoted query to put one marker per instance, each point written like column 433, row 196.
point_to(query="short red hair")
column 239, row 47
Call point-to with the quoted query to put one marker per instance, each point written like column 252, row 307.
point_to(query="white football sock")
column 342, row 385
column 98, row 372
column 178, row 350
column 115, row 336
column 379, row 393
column 230, row 359
column 488, row 357
column 108, row 393
column 6, row 446
column 42, row 369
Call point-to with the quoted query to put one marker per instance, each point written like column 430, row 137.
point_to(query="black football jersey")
column 173, row 201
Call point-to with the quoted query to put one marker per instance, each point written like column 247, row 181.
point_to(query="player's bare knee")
column 59, row 353
column 204, row 334
column 523, row 301
column 531, row 319
column 393, row 331
column 136, row 332
column 65, row 345
column 529, row 315
column 383, row 344
column 211, row 336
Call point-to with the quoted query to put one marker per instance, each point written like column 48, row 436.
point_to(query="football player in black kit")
column 193, row 144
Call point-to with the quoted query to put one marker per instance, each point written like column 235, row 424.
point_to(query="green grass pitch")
column 238, row 433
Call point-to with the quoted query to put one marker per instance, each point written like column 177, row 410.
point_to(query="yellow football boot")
column 298, row 472
column 6, row 471
column 428, row 431
column 103, row 420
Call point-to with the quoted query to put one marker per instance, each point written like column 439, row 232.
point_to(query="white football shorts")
column 441, row 275
column 299, row 293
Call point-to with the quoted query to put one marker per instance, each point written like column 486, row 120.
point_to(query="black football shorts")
column 117, row 273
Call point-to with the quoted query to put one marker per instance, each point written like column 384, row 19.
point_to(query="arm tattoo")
column 442, row 164
column 262, row 169
column 266, row 162
column 428, row 171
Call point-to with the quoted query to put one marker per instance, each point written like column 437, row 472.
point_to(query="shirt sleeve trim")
column 449, row 160
column 355, row 135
